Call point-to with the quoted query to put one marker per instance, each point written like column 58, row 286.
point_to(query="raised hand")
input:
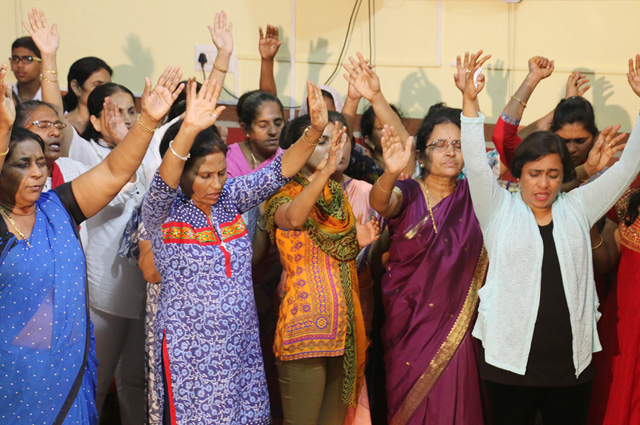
column 470, row 90
column 317, row 108
column 396, row 155
column 7, row 107
column 157, row 102
column 606, row 145
column 202, row 110
column 540, row 67
column 362, row 78
column 634, row 75
column 221, row 33
column 368, row 232
column 112, row 122
column 329, row 164
column 460, row 77
column 576, row 84
column 269, row 43
column 45, row 37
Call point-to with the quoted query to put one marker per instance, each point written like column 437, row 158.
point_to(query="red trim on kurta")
column 56, row 176
column 227, row 260
column 167, row 373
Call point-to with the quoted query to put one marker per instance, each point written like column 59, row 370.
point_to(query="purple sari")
column 430, row 299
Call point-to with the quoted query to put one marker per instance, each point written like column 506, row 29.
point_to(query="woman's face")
column 445, row 162
column 25, row 72
column 376, row 135
column 265, row 130
column 204, row 180
column 96, row 79
column 127, row 109
column 51, row 136
column 321, row 152
column 24, row 174
column 540, row 181
column 578, row 141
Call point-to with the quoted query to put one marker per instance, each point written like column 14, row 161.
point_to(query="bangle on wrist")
column 48, row 80
column 381, row 188
column 217, row 68
column 524, row 105
column 5, row 153
column 184, row 158
column 593, row 248
column 308, row 140
column 145, row 128
column 50, row 71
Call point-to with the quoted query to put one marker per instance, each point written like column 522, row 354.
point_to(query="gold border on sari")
column 448, row 348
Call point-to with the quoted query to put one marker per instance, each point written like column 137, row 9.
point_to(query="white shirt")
column 37, row 96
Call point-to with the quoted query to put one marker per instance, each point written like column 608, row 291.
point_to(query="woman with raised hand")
column 206, row 325
column 48, row 353
column 538, row 308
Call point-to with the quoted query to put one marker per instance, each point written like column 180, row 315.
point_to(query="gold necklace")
column 254, row 161
column 433, row 220
column 13, row 223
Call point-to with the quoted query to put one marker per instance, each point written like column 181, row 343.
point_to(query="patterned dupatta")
column 331, row 226
column 44, row 326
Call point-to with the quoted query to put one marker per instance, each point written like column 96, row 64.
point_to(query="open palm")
column 396, row 154
column 45, row 37
column 157, row 102
column 7, row 107
column 362, row 78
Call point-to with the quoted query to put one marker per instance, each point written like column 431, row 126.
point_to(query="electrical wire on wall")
column 350, row 26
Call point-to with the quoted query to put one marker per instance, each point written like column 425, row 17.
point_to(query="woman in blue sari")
column 47, row 353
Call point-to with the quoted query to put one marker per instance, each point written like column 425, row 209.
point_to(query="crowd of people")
column 305, row 275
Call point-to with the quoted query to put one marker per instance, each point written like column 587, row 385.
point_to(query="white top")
column 510, row 298
column 37, row 96
column 69, row 168
column 116, row 284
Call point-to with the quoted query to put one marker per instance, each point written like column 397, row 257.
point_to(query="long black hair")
column 80, row 71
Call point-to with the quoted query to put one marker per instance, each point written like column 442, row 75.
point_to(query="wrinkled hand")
column 202, row 110
column 269, row 43
column 157, row 102
column 470, row 90
column 576, row 84
column 221, row 33
column 362, row 78
column 368, row 232
column 396, row 155
column 540, row 67
column 112, row 122
column 317, row 108
column 45, row 37
column 7, row 107
column 634, row 75
column 606, row 145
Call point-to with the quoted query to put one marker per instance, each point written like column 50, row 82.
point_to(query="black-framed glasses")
column 46, row 124
column 443, row 144
column 24, row 59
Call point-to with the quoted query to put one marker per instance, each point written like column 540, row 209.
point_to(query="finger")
column 177, row 91
column 637, row 62
column 359, row 218
column 363, row 62
column 481, row 62
column 552, row 66
column 217, row 112
column 43, row 20
column 617, row 148
column 480, row 81
column 583, row 90
column 261, row 34
column 631, row 70
column 163, row 77
column 466, row 60
column 354, row 63
column 147, row 87
column 458, row 63
column 408, row 144
column 276, row 33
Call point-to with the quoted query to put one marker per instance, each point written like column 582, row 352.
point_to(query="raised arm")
column 293, row 215
column 47, row 40
column 202, row 112
column 268, row 46
column 7, row 115
column 95, row 188
column 486, row 194
column 383, row 198
column 223, row 40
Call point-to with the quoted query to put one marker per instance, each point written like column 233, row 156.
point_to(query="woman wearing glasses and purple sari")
column 436, row 266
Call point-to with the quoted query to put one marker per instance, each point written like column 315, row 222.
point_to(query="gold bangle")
column 5, row 153
column 50, row 71
column 593, row 248
column 49, row 81
column 524, row 105
column 311, row 141
column 150, row 130
column 217, row 68
column 381, row 189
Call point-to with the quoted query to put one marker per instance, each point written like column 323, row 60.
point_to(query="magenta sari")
column 430, row 299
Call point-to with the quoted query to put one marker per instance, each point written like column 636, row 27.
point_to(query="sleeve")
column 157, row 203
column 486, row 193
column 68, row 199
column 505, row 137
column 601, row 194
column 252, row 189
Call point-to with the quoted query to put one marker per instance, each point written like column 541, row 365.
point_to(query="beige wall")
column 139, row 38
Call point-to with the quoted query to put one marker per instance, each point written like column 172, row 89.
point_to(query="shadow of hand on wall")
column 318, row 57
column 497, row 84
column 606, row 112
column 283, row 67
column 417, row 94
column 132, row 76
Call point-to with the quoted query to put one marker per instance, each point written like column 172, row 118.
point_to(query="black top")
column 551, row 356
column 69, row 203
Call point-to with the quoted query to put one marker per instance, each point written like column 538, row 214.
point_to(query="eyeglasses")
column 24, row 59
column 46, row 124
column 443, row 144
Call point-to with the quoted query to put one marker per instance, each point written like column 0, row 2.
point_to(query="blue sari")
column 47, row 354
